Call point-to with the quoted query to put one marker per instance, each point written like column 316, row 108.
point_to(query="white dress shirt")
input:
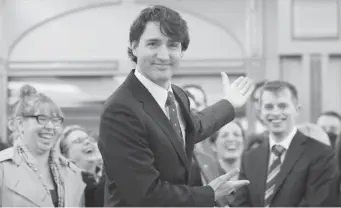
column 284, row 143
column 160, row 95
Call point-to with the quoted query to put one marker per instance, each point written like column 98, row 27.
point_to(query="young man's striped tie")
column 274, row 169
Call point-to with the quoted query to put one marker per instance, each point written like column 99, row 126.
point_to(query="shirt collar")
column 285, row 142
column 160, row 94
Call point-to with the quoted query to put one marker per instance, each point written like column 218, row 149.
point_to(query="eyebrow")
column 158, row 40
column 153, row 40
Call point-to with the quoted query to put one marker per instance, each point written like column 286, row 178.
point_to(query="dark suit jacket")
column 94, row 191
column 144, row 161
column 307, row 178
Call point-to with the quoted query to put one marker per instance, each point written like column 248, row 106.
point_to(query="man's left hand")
column 239, row 91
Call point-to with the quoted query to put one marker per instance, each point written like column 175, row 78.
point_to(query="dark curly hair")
column 171, row 25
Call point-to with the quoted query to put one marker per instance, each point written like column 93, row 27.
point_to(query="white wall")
column 102, row 34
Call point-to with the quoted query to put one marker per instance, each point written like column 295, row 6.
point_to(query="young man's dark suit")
column 307, row 178
column 145, row 163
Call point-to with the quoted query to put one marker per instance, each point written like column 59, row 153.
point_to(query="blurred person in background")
column 260, row 128
column 228, row 144
column 199, row 96
column 32, row 172
column 201, row 159
column 81, row 148
column 330, row 122
column 260, row 131
column 191, row 98
column 198, row 101
column 314, row 131
column 288, row 169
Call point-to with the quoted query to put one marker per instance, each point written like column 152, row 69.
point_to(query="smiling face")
column 230, row 141
column 41, row 129
column 279, row 111
column 82, row 150
column 158, row 56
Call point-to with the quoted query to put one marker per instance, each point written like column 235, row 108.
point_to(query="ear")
column 298, row 107
column 19, row 125
column 181, row 54
column 134, row 46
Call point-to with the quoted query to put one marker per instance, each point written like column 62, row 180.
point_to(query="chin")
column 45, row 147
column 277, row 132
column 230, row 156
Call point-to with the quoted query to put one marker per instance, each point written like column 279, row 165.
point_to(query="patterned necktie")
column 173, row 115
column 274, row 169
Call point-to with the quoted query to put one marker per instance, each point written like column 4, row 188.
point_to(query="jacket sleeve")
column 322, row 189
column 211, row 119
column 128, row 162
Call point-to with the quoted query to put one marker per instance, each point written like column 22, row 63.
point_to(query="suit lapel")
column 23, row 181
column 259, row 167
column 294, row 152
column 152, row 108
column 185, row 112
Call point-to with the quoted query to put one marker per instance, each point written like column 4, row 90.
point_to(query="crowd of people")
column 162, row 145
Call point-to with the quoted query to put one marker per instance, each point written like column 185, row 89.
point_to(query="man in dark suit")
column 147, row 131
column 289, row 169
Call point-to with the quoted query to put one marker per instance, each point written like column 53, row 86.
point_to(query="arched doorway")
column 80, row 54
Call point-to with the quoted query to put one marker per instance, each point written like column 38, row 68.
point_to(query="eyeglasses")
column 43, row 120
column 80, row 140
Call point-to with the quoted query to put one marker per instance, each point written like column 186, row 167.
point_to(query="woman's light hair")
column 32, row 103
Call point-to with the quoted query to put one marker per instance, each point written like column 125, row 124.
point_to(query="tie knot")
column 278, row 150
column 170, row 98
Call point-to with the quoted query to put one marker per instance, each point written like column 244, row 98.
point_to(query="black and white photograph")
column 170, row 103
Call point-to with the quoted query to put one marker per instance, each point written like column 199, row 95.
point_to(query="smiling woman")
column 80, row 148
column 42, row 177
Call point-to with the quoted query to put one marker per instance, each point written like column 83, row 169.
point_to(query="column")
column 255, row 67
column 3, row 75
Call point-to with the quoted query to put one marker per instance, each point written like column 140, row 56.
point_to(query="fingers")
column 239, row 183
column 229, row 186
column 237, row 82
column 248, row 90
column 229, row 175
column 247, row 85
column 225, row 79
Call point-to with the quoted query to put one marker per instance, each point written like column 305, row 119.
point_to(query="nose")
column 163, row 53
column 49, row 125
column 276, row 111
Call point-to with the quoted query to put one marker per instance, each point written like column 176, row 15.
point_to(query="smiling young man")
column 289, row 169
column 147, row 131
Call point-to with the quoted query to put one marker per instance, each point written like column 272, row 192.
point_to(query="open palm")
column 239, row 91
